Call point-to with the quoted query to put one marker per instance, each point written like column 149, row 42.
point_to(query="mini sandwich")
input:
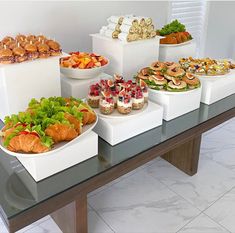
column 20, row 54
column 32, row 51
column 55, row 49
column 44, row 50
column 6, row 56
column 176, row 85
column 156, row 82
column 191, row 80
column 20, row 37
column 11, row 44
column 175, row 72
column 7, row 39
column 30, row 38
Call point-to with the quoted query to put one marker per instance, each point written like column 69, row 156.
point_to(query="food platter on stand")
column 176, row 45
column 85, row 130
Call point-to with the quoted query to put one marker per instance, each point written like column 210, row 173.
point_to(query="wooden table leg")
column 73, row 217
column 185, row 157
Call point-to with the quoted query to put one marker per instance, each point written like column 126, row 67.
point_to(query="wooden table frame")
column 69, row 209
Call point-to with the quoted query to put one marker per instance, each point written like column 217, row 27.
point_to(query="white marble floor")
column 158, row 198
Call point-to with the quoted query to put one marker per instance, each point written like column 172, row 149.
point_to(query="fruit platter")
column 206, row 66
column 82, row 65
column 167, row 77
column 117, row 97
column 46, row 126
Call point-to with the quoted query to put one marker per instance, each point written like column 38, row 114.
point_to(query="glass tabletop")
column 19, row 192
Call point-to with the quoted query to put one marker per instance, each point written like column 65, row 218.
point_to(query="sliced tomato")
column 23, row 132
column 84, row 110
column 35, row 134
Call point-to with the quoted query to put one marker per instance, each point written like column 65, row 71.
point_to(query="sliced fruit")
column 122, row 92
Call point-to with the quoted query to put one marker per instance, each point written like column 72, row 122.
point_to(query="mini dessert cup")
column 106, row 104
column 137, row 99
column 124, row 102
column 94, row 96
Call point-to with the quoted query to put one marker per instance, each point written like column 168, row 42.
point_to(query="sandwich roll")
column 130, row 21
column 148, row 21
column 112, row 34
column 114, row 26
column 153, row 34
column 103, row 30
column 150, row 28
column 127, row 28
column 123, row 37
column 115, row 19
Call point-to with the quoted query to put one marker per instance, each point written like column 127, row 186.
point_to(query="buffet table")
column 64, row 195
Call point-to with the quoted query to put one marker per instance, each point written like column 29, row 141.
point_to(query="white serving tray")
column 126, row 58
column 215, row 88
column 176, row 104
column 175, row 52
column 79, row 88
column 116, row 130
column 60, row 146
column 31, row 79
column 42, row 167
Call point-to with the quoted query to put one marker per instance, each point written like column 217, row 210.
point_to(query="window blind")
column 193, row 14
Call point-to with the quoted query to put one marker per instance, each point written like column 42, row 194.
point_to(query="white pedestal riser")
column 115, row 131
column 215, row 89
column 174, row 53
column 126, row 58
column 79, row 88
column 176, row 104
column 21, row 82
column 42, row 167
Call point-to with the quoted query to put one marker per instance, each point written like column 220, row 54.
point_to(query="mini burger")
column 20, row 37
column 32, row 51
column 11, row 44
column 7, row 39
column 176, row 85
column 156, row 82
column 44, row 50
column 192, row 81
column 175, row 72
column 20, row 54
column 30, row 38
column 55, row 49
column 6, row 56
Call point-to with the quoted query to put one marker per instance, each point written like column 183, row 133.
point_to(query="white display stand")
column 114, row 130
column 173, row 53
column 44, row 166
column 116, row 154
column 79, row 88
column 23, row 81
column 176, row 104
column 126, row 58
column 217, row 88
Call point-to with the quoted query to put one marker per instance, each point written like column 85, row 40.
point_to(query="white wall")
column 220, row 40
column 71, row 22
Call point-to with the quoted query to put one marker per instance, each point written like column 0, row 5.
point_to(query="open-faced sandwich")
column 167, row 76
column 206, row 66
column 174, row 33
column 45, row 123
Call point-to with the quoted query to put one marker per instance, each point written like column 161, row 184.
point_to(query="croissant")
column 27, row 143
column 61, row 132
column 74, row 121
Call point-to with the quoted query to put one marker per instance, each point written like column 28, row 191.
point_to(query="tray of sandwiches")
column 118, row 98
column 27, row 47
column 206, row 66
column 46, row 126
column 167, row 77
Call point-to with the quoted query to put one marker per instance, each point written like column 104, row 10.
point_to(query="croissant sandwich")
column 45, row 123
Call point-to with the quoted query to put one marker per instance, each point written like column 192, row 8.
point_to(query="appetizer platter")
column 27, row 47
column 117, row 97
column 128, row 28
column 174, row 33
column 167, row 77
column 206, row 66
column 47, row 126
column 81, row 65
